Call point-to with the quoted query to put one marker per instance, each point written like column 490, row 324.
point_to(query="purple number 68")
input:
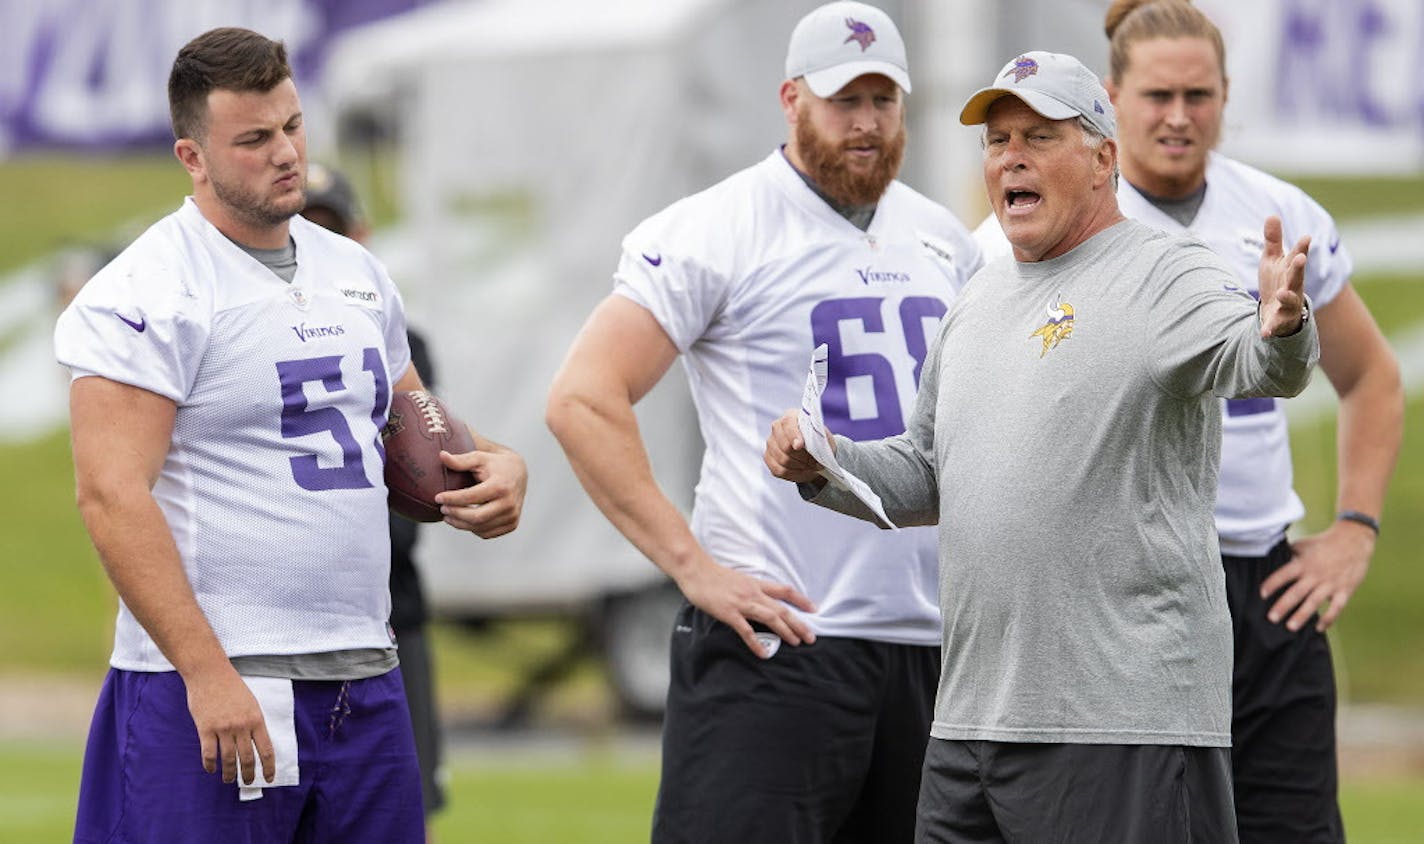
column 826, row 319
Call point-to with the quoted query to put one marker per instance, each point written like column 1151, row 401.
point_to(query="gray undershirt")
column 1183, row 210
column 329, row 665
column 282, row 261
column 857, row 215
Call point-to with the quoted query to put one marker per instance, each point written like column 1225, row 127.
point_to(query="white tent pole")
column 952, row 50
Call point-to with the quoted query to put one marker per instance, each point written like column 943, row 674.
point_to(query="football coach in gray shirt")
column 1066, row 439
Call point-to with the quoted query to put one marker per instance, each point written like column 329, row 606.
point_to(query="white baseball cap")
column 1055, row 85
column 838, row 42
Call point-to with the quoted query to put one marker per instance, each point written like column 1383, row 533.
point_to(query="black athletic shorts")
column 418, row 678
column 820, row 743
column 1283, row 716
column 975, row 792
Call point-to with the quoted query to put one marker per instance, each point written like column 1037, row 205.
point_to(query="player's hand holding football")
column 493, row 505
column 1282, row 283
column 786, row 455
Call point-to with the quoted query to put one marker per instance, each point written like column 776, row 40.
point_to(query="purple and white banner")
column 1324, row 85
column 93, row 74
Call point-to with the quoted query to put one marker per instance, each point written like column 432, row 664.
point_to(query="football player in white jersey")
column 232, row 369
column 1168, row 81
column 1168, row 84
column 805, row 661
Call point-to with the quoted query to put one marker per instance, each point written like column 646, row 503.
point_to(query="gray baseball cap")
column 1055, row 85
column 838, row 42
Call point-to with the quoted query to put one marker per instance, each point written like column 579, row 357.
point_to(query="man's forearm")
column 603, row 445
column 1369, row 432
column 142, row 561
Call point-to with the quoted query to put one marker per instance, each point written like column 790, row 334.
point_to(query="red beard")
column 825, row 164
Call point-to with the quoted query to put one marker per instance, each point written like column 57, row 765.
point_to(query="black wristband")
column 1361, row 518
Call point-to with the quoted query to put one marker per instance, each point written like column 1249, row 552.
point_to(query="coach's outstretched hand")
column 1282, row 283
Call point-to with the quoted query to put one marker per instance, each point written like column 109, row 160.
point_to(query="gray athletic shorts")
column 988, row 791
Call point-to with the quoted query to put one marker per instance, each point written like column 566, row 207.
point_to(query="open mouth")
column 1021, row 200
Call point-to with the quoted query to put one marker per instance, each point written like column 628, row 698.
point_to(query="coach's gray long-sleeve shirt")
column 1066, row 439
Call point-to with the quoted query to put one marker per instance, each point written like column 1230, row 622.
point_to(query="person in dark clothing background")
column 331, row 203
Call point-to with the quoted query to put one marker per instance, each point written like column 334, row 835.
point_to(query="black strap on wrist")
column 1360, row 518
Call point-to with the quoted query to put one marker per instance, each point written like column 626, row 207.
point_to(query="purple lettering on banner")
column 82, row 75
column 1326, row 60
column 1372, row 25
column 1303, row 63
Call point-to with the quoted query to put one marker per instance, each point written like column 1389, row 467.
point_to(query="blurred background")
column 502, row 149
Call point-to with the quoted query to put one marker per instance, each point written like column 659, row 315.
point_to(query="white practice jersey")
column 747, row 278
column 1256, row 499
column 273, row 484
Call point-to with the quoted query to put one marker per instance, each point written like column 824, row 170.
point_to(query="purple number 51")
column 299, row 420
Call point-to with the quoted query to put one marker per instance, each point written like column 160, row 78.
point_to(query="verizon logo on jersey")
column 360, row 295
column 869, row 275
column 305, row 332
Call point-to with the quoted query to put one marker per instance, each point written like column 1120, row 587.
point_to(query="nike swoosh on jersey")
column 655, row 260
column 136, row 326
column 1334, row 245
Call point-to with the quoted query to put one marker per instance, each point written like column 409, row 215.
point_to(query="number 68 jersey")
column 273, row 483
column 747, row 278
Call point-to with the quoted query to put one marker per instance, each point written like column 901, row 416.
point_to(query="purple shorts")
column 144, row 780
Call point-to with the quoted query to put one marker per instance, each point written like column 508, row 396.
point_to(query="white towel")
column 274, row 695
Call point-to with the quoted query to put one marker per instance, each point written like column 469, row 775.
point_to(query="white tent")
column 530, row 136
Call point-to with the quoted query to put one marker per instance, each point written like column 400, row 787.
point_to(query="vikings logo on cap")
column 860, row 33
column 1058, row 327
column 1023, row 68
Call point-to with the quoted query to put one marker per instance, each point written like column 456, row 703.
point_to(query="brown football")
column 418, row 429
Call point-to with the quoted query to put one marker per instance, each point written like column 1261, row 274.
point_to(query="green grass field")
column 59, row 608
column 60, row 201
column 592, row 798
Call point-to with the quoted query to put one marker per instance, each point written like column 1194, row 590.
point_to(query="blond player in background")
column 1168, row 83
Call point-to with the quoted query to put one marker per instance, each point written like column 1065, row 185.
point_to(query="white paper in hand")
column 277, row 699
column 813, row 431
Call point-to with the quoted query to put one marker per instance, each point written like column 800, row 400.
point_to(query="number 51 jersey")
column 273, row 483
column 747, row 278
